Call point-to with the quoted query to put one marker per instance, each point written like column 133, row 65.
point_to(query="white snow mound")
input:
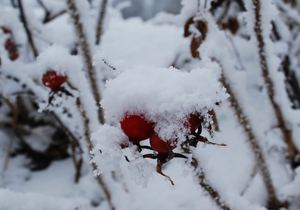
column 165, row 96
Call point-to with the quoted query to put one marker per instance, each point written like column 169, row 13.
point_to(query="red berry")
column 53, row 80
column 13, row 55
column 136, row 127
column 11, row 49
column 161, row 146
column 9, row 44
column 193, row 122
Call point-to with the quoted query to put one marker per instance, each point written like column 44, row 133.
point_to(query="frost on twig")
column 100, row 21
column 203, row 182
column 86, row 111
column 260, row 160
column 87, row 137
column 87, row 55
column 242, row 118
column 48, row 14
column 287, row 134
column 286, row 29
column 27, row 29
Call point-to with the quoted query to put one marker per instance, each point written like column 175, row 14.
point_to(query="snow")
column 151, row 91
column 151, row 73
column 46, row 192
column 138, row 50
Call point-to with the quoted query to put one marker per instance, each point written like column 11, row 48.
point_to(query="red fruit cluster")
column 138, row 128
column 53, row 80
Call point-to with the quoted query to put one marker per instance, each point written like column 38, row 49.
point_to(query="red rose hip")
column 161, row 146
column 136, row 127
column 53, row 80
column 193, row 122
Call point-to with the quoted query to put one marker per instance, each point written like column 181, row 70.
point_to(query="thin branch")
column 27, row 30
column 204, row 183
column 219, row 3
column 74, row 144
column 87, row 137
column 281, row 121
column 13, row 3
column 87, row 55
column 41, row 3
column 49, row 18
column 251, row 177
column 48, row 15
column 255, row 146
column 109, row 65
column 100, row 21
column 292, row 83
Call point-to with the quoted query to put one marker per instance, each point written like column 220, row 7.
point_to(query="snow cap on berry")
column 165, row 96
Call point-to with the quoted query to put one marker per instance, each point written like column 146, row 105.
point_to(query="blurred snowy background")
column 233, row 62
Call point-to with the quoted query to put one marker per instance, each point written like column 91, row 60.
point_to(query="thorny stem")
column 256, row 148
column 27, row 30
column 87, row 55
column 87, row 136
column 100, row 21
column 286, row 132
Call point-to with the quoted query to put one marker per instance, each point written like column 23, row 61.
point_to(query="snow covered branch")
column 87, row 55
column 100, row 21
column 287, row 135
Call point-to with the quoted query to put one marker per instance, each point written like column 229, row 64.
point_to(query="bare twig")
column 54, row 16
column 87, row 136
column 87, row 55
column 251, row 177
column 41, row 3
column 287, row 136
column 100, row 21
column 256, row 148
column 109, row 65
column 13, row 3
column 204, row 183
column 26, row 27
column 292, row 83
column 48, row 15
column 215, row 196
column 219, row 3
column 74, row 146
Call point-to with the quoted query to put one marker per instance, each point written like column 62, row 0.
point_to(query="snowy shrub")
column 196, row 110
